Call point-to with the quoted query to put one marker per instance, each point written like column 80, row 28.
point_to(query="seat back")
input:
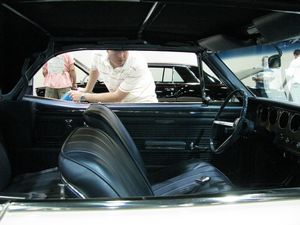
column 101, row 117
column 93, row 164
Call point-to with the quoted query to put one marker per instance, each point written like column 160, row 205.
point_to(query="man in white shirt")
column 293, row 76
column 126, row 76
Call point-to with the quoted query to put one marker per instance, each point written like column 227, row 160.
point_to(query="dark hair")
column 297, row 52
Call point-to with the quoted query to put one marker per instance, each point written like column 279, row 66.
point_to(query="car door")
column 164, row 133
column 166, row 87
column 188, row 85
column 41, row 127
column 168, row 133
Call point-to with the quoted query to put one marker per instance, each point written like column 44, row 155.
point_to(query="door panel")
column 34, row 131
column 164, row 133
column 168, row 133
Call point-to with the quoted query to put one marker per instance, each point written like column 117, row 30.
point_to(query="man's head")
column 297, row 53
column 117, row 58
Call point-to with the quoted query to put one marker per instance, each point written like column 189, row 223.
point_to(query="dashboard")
column 281, row 120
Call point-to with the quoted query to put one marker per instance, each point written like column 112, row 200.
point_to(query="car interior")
column 102, row 151
column 54, row 149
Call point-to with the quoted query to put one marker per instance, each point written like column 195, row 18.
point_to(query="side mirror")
column 274, row 61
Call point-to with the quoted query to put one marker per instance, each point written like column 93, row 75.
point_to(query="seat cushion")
column 42, row 184
column 92, row 164
column 186, row 177
column 189, row 177
column 179, row 179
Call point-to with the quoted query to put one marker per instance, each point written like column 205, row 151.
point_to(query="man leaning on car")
column 126, row 76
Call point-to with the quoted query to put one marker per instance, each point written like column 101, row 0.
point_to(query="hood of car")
column 33, row 30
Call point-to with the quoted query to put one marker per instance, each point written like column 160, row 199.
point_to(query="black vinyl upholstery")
column 99, row 116
column 42, row 184
column 94, row 165
column 102, row 161
column 188, row 179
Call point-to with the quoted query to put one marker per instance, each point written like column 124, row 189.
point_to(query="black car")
column 180, row 83
column 232, row 161
column 174, row 83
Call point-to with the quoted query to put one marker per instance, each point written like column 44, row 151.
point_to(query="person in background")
column 59, row 76
column 126, row 76
column 264, row 77
column 293, row 77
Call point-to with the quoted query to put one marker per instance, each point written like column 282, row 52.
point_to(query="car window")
column 175, row 76
column 269, row 71
column 171, row 75
column 157, row 73
column 166, row 74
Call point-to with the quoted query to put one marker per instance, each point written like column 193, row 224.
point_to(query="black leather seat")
column 42, row 184
column 102, row 161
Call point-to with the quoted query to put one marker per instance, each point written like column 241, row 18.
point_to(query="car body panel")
column 213, row 211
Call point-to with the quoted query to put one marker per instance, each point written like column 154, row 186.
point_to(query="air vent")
column 295, row 123
column 283, row 120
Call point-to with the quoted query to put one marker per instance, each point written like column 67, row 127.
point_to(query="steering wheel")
column 236, row 126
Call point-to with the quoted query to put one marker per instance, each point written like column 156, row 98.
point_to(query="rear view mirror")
column 274, row 61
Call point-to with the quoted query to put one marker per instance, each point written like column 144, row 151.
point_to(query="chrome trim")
column 11, row 197
column 147, row 20
column 270, row 195
column 73, row 188
column 275, row 213
column 224, row 123
column 3, row 210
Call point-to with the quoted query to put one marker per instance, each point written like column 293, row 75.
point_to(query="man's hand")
column 80, row 89
column 76, row 95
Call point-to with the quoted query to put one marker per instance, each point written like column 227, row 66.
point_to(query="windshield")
column 270, row 71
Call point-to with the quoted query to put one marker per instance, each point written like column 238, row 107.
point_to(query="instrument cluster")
column 283, row 123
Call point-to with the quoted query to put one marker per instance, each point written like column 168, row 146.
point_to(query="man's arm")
column 93, row 76
column 116, row 96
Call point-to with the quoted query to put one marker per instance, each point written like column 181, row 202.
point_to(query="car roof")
column 157, row 22
column 37, row 29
